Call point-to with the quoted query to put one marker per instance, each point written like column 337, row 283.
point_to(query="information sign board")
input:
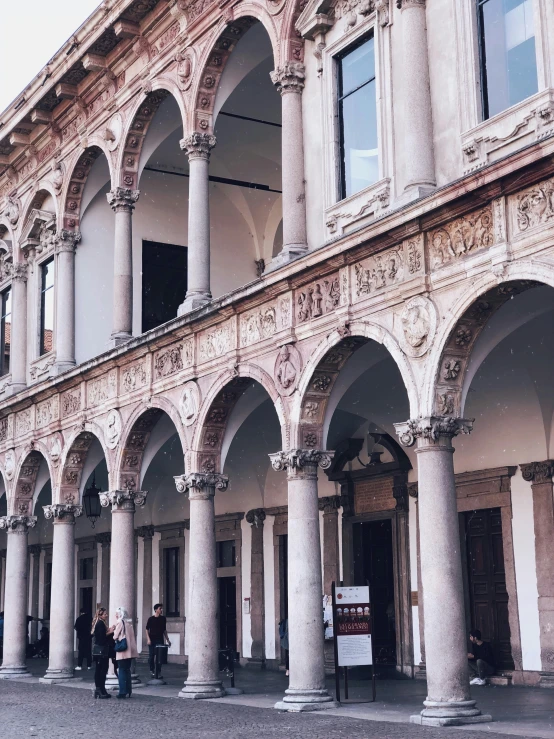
column 353, row 626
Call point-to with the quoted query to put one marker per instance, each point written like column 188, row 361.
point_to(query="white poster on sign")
column 353, row 626
column 354, row 649
column 352, row 595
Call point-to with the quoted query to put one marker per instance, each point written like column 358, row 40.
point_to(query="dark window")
column 46, row 306
column 358, row 117
column 164, row 282
column 226, row 553
column 507, row 50
column 5, row 331
column 47, row 590
column 171, row 581
column 86, row 568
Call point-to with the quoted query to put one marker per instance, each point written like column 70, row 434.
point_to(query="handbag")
column 100, row 650
column 121, row 644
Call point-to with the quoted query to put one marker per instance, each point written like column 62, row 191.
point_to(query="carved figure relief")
column 102, row 389
column 168, row 361
column 258, row 325
column 215, row 342
column 378, row 272
column 318, row 299
column 9, row 464
column 460, row 237
column 56, row 450
column 112, row 429
column 419, row 321
column 185, row 67
column 47, row 411
column 288, row 366
column 134, row 377
column 23, row 422
column 190, row 403
column 535, row 206
column 71, row 402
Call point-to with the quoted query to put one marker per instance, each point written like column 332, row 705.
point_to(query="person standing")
column 126, row 651
column 156, row 633
column 100, row 648
column 83, row 626
column 481, row 659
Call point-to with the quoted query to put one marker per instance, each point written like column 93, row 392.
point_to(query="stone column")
column 289, row 81
column 331, row 561
column 103, row 596
column 2, row 576
column 65, row 300
column 448, row 700
column 123, row 202
column 420, row 672
column 147, row 532
column 202, row 618
column 306, row 691
column 16, row 596
column 419, row 161
column 62, row 602
column 198, row 147
column 539, row 474
column 18, row 348
column 256, row 518
column 34, row 552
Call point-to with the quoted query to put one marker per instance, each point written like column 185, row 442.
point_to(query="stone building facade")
column 360, row 217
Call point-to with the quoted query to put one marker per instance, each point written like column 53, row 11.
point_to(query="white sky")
column 32, row 32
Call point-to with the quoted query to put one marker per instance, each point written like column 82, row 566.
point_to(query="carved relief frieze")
column 533, row 208
column 215, row 342
column 71, row 402
column 134, row 376
column 24, row 422
column 173, row 359
column 379, row 271
column 102, row 389
column 317, row 299
column 6, row 425
column 258, row 324
column 47, row 411
column 459, row 238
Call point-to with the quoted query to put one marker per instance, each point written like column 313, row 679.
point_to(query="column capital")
column 34, row 549
column 123, row 500
column 17, row 524
column 256, row 517
column 145, row 532
column 123, row 199
column 330, row 503
column 105, row 538
column 538, row 472
column 198, row 145
column 301, row 461
column 65, row 512
column 289, row 78
column 200, row 485
column 19, row 272
column 431, row 429
column 405, row 4
column 67, row 241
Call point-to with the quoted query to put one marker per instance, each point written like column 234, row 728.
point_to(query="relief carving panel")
column 134, row 377
column 173, row 359
column 465, row 235
column 71, row 402
column 317, row 299
column 258, row 324
column 215, row 342
column 533, row 207
column 102, row 388
column 47, row 411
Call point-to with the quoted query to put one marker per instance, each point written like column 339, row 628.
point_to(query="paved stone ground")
column 64, row 713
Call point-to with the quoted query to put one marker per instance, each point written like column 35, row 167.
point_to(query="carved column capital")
column 145, row 532
column 34, row 549
column 200, row 485
column 431, row 429
column 301, row 462
column 105, row 538
column 17, row 524
column 329, row 504
column 256, row 517
column 67, row 241
column 289, row 78
column 123, row 500
column 19, row 272
column 123, row 199
column 538, row 472
column 63, row 512
column 198, row 145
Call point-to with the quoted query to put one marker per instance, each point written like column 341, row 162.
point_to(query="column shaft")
column 34, row 551
column 18, row 348
column 256, row 518
column 123, row 202
column 122, row 560
column 147, row 532
column 65, row 301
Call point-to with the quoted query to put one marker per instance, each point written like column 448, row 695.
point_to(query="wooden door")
column 487, row 582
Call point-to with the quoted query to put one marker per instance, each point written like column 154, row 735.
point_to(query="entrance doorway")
column 227, row 587
column 488, row 596
column 373, row 562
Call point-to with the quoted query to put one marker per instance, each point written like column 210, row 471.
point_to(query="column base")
column 58, row 368
column 421, row 672
column 289, row 253
column 13, row 673
column 546, row 680
column 415, row 192
column 59, row 676
column 445, row 713
column 198, row 689
column 306, row 700
column 119, row 338
column 156, row 682
column 193, row 302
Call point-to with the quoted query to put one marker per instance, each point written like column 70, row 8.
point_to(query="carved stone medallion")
column 288, row 366
column 190, row 403
column 9, row 464
column 112, row 429
column 419, row 323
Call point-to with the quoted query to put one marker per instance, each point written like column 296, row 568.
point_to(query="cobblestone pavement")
column 64, row 713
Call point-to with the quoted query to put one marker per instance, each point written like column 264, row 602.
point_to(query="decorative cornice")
column 123, row 499
column 289, row 78
column 123, row 199
column 105, row 538
column 256, row 517
column 198, row 145
column 17, row 524
column 63, row 511
column 301, row 460
column 200, row 485
column 145, row 532
column 538, row 472
column 432, row 428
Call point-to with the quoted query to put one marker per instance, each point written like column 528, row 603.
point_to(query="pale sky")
column 32, row 32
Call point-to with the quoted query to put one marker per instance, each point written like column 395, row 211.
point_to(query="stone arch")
column 26, row 477
column 292, row 43
column 6, row 230
column 135, row 438
column 215, row 411
column 37, row 197
column 468, row 317
column 73, row 463
column 212, row 64
column 322, row 370
column 76, row 181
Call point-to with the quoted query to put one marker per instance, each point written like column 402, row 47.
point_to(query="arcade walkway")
column 521, row 712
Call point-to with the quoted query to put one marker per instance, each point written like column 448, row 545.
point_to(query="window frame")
column 43, row 291
column 3, row 370
column 176, row 585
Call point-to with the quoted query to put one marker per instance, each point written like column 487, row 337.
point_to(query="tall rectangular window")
column 171, row 581
column 164, row 282
column 508, row 55
column 358, row 117
column 5, row 332
column 46, row 306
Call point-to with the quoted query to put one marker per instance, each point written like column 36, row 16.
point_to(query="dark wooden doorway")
column 488, row 596
column 227, row 612
column 373, row 562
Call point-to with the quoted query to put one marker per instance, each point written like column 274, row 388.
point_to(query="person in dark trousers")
column 156, row 633
column 83, row 626
column 100, row 648
column 481, row 659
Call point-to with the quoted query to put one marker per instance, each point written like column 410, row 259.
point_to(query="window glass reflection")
column 47, row 307
column 6, row 333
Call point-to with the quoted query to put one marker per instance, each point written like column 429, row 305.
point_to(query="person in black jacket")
column 83, row 626
column 100, row 632
column 481, row 659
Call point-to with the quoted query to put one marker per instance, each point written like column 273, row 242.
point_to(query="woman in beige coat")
column 124, row 630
